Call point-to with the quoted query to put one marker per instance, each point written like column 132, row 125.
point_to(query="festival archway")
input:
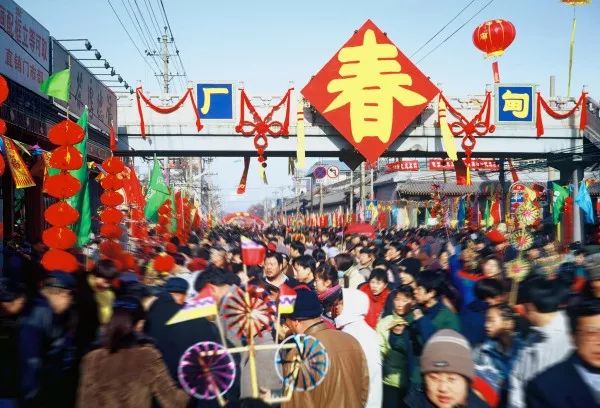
column 243, row 219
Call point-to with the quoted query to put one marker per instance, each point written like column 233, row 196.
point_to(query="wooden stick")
column 221, row 331
column 242, row 349
column 277, row 325
column 251, row 353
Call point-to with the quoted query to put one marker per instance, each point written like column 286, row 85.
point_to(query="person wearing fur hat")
column 448, row 371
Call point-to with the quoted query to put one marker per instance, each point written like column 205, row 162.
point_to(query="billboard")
column 24, row 47
column 86, row 89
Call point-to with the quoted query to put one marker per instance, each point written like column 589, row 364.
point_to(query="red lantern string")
column 541, row 103
column 4, row 92
column 61, row 186
column 165, row 110
column 111, row 216
column 261, row 127
column 469, row 129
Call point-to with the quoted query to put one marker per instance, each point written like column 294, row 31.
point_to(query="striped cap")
column 447, row 352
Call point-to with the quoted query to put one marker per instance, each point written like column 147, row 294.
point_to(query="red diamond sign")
column 370, row 91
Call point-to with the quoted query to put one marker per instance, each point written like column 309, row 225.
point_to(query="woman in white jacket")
column 351, row 320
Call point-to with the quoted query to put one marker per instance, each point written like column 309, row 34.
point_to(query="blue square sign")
column 215, row 101
column 515, row 103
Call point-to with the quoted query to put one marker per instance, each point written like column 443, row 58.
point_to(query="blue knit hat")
column 176, row 285
column 307, row 304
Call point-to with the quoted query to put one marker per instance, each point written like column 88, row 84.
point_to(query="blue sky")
column 268, row 43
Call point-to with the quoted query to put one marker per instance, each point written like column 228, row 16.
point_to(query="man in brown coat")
column 347, row 381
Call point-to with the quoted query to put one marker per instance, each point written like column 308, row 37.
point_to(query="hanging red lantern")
column 112, row 182
column 494, row 36
column 61, row 214
column 129, row 262
column 114, row 165
column 111, row 249
column 136, row 214
column 2, row 127
column 59, row 260
column 61, row 186
column 66, row 158
column 59, row 238
column 163, row 263
column 111, row 216
column 111, row 231
column 66, row 132
column 2, row 165
column 111, row 198
column 3, row 89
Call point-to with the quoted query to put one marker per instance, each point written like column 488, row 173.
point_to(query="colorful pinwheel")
column 517, row 270
column 206, row 370
column 305, row 365
column 521, row 240
column 247, row 314
column 527, row 214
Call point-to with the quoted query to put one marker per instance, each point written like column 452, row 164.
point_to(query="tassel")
column 468, row 175
column 300, row 146
column 447, row 137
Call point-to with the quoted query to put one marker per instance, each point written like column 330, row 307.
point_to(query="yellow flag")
column 18, row 169
column 447, row 137
column 300, row 147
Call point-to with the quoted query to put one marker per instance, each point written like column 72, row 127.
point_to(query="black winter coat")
column 560, row 386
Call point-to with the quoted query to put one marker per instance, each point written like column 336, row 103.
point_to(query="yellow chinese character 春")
column 370, row 80
column 517, row 103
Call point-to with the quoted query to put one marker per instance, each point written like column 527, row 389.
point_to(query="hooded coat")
column 352, row 321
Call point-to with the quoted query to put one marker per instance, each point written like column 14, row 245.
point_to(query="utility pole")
column 165, row 58
column 362, row 184
column 165, row 76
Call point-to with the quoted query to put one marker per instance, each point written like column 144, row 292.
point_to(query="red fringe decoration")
column 261, row 127
column 165, row 110
column 541, row 103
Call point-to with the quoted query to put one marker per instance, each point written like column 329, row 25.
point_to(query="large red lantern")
column 59, row 260
column 61, row 214
column 59, row 238
column 61, row 185
column 66, row 158
column 66, row 132
column 494, row 36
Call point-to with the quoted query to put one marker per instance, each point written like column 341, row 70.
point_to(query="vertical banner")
column 20, row 172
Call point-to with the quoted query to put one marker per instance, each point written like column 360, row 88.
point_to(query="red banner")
column 476, row 164
column 403, row 165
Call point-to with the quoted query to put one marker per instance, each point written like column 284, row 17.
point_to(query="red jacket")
column 376, row 304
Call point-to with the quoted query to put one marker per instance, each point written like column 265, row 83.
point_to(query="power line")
column 137, row 27
column 457, row 30
column 172, row 37
column 443, row 28
column 144, row 21
column 131, row 38
column 152, row 15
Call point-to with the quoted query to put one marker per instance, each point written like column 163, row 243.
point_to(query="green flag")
column 81, row 201
column 58, row 85
column 560, row 194
column 487, row 222
column 157, row 193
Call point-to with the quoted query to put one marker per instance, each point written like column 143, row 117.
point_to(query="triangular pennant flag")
column 202, row 305
column 58, row 85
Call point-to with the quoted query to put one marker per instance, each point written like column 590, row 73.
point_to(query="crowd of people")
column 409, row 318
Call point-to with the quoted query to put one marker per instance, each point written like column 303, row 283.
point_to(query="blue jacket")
column 560, row 386
column 472, row 322
column 47, row 355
